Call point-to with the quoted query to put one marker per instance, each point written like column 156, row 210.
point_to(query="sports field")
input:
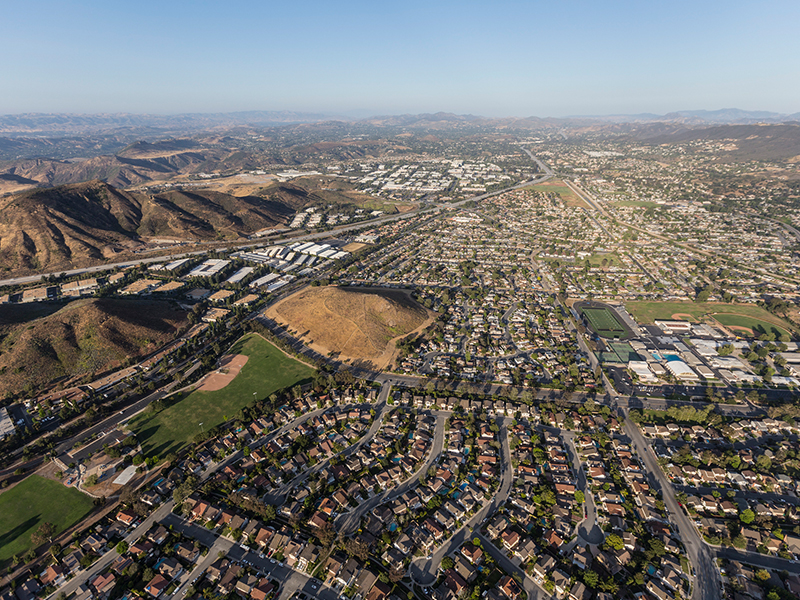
column 621, row 352
column 740, row 323
column 604, row 323
column 266, row 371
column 637, row 203
column 34, row 501
column 748, row 316
column 556, row 186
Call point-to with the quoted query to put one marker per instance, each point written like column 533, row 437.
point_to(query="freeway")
column 286, row 238
column 423, row 570
column 707, row 582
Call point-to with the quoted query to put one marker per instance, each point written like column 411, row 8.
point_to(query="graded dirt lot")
column 354, row 247
column 356, row 324
column 229, row 367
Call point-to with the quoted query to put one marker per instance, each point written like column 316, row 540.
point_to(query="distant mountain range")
column 731, row 116
column 45, row 125
column 60, row 124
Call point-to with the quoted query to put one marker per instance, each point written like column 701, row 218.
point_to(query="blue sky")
column 529, row 58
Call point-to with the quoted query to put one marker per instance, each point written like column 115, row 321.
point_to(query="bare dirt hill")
column 356, row 324
column 84, row 337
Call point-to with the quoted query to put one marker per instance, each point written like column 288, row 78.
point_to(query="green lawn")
column 758, row 326
column 642, row 203
column 604, row 322
column 727, row 314
column 556, row 186
column 596, row 259
column 34, row 501
column 267, row 370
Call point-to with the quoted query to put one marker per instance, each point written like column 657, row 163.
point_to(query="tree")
column 580, row 498
column 615, row 542
column 183, row 490
column 747, row 516
column 762, row 575
column 657, row 546
column 591, row 579
column 447, row 563
column 725, row 350
column 703, row 295
column 122, row 547
column 43, row 534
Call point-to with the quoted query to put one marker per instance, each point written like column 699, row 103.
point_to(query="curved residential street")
column 423, row 570
column 588, row 530
column 347, row 523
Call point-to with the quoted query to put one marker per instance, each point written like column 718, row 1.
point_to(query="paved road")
column 707, row 583
column 347, row 523
column 278, row 497
column 423, row 570
column 501, row 558
column 757, row 559
column 86, row 575
column 588, row 531
column 290, row 579
column 221, row 544
column 691, row 490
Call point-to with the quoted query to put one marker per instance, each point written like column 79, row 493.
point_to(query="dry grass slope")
column 49, row 230
column 352, row 323
column 84, row 337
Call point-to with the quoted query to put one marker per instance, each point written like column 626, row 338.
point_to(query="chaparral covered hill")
column 359, row 324
column 48, row 230
column 84, row 337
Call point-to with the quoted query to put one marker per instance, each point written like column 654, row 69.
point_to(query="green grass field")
column 555, row 186
column 267, row 370
column 34, row 501
column 758, row 326
column 605, row 323
column 742, row 315
column 641, row 203
column 596, row 259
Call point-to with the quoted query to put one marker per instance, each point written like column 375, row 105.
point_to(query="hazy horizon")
column 514, row 59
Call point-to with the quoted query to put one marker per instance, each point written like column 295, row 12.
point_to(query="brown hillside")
column 52, row 229
column 358, row 324
column 85, row 337
column 48, row 230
